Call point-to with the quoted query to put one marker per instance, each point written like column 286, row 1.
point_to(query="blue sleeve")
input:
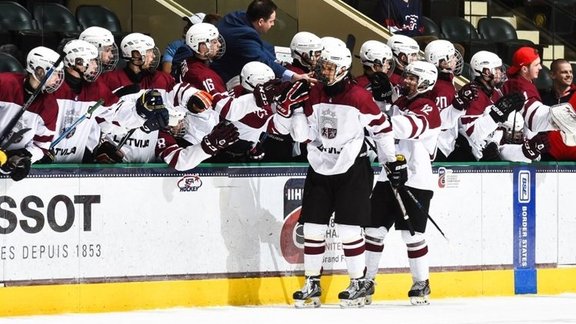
column 171, row 50
column 254, row 48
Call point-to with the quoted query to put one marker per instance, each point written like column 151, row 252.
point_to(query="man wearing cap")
column 175, row 44
column 524, row 69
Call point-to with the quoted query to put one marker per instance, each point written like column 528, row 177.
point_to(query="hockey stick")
column 415, row 200
column 70, row 128
column 28, row 102
column 125, row 139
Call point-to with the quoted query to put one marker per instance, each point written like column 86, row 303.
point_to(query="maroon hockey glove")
column 108, row 153
column 223, row 135
column 505, row 105
column 292, row 98
column 535, row 146
column 266, row 93
column 397, row 171
column 465, row 96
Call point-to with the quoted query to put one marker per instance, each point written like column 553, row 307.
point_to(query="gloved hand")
column 292, row 98
column 18, row 164
column 397, row 171
column 223, row 135
column 199, row 102
column 535, row 146
column 267, row 93
column 465, row 96
column 157, row 121
column 381, row 87
column 107, row 152
column 505, row 105
column 256, row 152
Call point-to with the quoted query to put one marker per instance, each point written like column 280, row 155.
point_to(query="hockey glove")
column 157, row 121
column 381, row 87
column 535, row 146
column 505, row 105
column 199, row 102
column 292, row 98
column 465, row 96
column 223, row 135
column 397, row 171
column 108, row 153
column 265, row 94
column 18, row 164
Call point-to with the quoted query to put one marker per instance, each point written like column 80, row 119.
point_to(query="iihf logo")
column 292, row 233
column 190, row 183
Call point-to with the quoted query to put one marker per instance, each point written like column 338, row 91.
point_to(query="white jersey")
column 336, row 128
column 416, row 124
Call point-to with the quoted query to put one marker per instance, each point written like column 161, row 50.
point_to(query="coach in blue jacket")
column 241, row 32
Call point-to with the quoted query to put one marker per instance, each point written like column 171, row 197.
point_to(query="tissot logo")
column 524, row 186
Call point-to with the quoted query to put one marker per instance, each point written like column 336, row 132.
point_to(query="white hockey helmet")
column 144, row 45
column 329, row 41
column 444, row 55
column 39, row 61
column 426, row 72
column 205, row 33
column 337, row 55
column 84, row 58
column 375, row 52
column 403, row 45
column 306, row 48
column 514, row 128
column 103, row 39
column 254, row 73
column 484, row 60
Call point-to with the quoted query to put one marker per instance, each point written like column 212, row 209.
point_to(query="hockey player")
column 442, row 54
column 103, row 39
column 340, row 176
column 377, row 64
column 139, row 75
column 416, row 123
column 203, row 131
column 405, row 50
column 486, row 113
column 27, row 147
column 526, row 65
column 205, row 42
column 142, row 58
column 305, row 49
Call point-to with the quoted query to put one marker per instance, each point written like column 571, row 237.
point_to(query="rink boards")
column 103, row 239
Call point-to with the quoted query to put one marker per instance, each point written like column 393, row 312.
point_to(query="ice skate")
column 354, row 295
column 309, row 295
column 370, row 286
column 419, row 293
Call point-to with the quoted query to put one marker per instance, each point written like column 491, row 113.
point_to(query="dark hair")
column 556, row 62
column 260, row 9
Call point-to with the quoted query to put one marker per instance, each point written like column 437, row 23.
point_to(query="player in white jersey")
column 103, row 39
column 416, row 122
column 21, row 148
column 340, row 176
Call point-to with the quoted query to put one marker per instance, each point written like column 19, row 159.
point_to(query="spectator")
column 401, row 16
column 562, row 86
column 241, row 31
column 175, row 44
